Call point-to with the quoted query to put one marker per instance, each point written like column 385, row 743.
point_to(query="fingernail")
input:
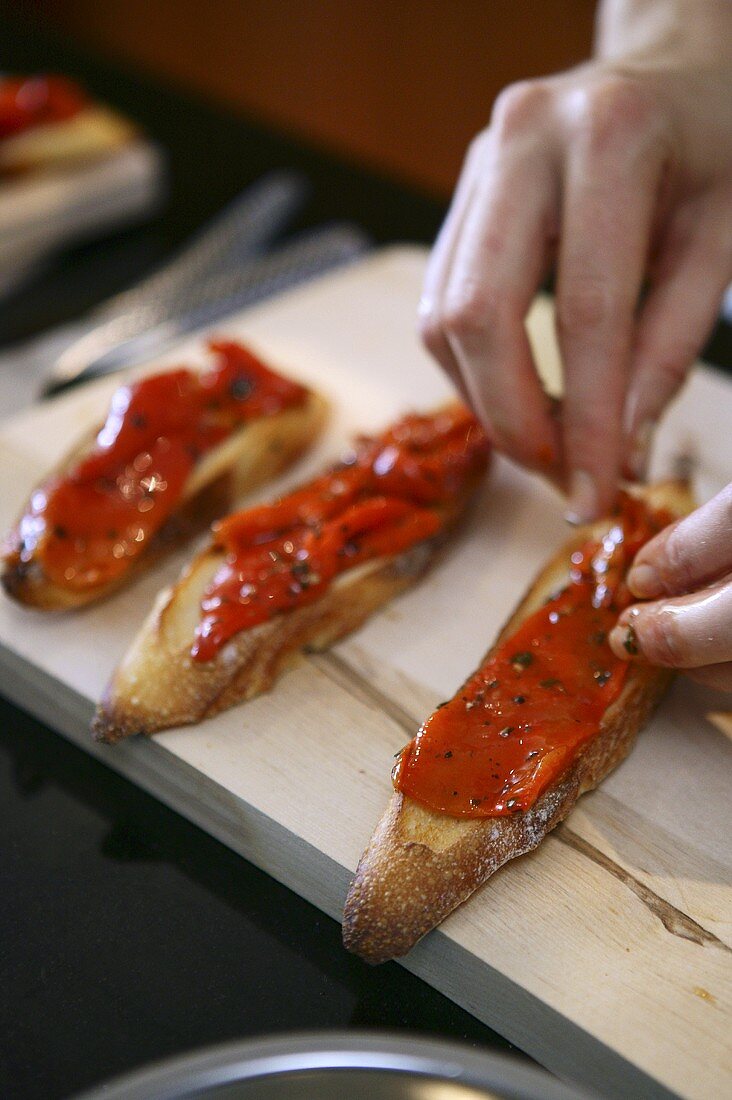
column 622, row 638
column 582, row 505
column 644, row 581
column 639, row 453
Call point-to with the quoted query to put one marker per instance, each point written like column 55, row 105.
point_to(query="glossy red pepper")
column 384, row 499
column 86, row 525
column 524, row 716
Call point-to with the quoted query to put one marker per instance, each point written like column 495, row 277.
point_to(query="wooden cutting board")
column 607, row 953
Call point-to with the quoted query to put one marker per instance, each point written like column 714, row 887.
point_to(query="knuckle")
column 476, row 147
column 519, row 106
column 614, row 109
column 470, row 311
column 430, row 330
column 676, row 566
column 583, row 309
column 474, row 153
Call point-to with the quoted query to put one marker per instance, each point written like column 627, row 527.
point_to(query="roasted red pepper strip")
column 384, row 499
column 86, row 525
column 525, row 715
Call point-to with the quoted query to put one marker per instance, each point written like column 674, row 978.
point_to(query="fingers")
column 686, row 632
column 594, row 158
column 438, row 269
column 690, row 553
column 611, row 188
column 693, row 268
column 484, row 282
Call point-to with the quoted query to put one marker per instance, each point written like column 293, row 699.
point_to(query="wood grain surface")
column 606, row 953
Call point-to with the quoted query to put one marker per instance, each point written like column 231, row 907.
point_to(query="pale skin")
column 617, row 176
column 685, row 574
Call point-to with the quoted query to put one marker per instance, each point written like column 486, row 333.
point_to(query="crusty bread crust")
column 158, row 684
column 251, row 456
column 420, row 865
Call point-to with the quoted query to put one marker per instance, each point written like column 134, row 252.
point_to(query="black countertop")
column 126, row 933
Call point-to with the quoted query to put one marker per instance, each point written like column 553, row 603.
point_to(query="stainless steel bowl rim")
column 250, row 1059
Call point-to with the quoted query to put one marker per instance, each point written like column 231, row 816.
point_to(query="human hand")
column 615, row 173
column 686, row 571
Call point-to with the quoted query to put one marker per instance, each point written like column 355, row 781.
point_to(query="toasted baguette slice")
column 94, row 132
column 247, row 459
column 159, row 685
column 420, row 864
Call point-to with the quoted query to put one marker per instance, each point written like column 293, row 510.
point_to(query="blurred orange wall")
column 399, row 85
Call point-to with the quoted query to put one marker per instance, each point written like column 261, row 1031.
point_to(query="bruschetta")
column 176, row 450
column 547, row 715
column 297, row 574
column 50, row 122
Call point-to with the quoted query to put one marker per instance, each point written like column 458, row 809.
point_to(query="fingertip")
column 623, row 638
column 623, row 641
column 644, row 581
column 519, row 421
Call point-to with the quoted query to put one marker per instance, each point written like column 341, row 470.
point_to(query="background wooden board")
column 607, row 954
